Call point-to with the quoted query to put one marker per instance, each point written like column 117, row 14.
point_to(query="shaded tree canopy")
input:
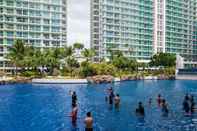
column 163, row 59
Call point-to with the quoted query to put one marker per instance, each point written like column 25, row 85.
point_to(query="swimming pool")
column 26, row 107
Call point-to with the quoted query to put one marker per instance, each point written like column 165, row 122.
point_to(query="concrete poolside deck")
column 76, row 81
column 186, row 77
column 59, row 81
column 63, row 81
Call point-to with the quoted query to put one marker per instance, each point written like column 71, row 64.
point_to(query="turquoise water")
column 26, row 107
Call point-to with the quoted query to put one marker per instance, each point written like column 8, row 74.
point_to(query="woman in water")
column 74, row 114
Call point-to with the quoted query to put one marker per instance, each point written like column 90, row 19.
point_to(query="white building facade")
column 142, row 28
column 41, row 23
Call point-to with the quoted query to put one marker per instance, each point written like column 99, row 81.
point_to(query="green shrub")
column 103, row 68
column 91, row 69
column 169, row 71
column 30, row 74
column 65, row 71
column 87, row 69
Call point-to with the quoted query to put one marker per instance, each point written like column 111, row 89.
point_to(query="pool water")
column 27, row 107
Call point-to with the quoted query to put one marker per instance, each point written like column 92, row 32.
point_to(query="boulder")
column 100, row 79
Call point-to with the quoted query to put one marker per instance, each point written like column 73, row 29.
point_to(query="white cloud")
column 78, row 22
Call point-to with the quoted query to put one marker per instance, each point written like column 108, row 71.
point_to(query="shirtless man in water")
column 88, row 122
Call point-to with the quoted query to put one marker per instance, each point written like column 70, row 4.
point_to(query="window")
column 10, row 34
column 9, row 3
column 10, row 41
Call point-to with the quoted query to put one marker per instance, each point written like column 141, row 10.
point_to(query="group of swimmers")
column 111, row 98
column 188, row 107
column 189, row 104
column 88, row 120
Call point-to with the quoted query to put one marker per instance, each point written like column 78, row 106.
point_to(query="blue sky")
column 79, row 22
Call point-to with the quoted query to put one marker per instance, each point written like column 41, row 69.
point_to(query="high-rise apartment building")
column 41, row 23
column 141, row 28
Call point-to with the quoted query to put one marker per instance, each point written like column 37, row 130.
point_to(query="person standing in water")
column 186, row 106
column 117, row 101
column 74, row 114
column 88, row 122
column 164, row 108
column 159, row 99
column 70, row 92
column 150, row 102
column 111, row 97
column 140, row 110
column 192, row 104
column 108, row 92
column 74, row 98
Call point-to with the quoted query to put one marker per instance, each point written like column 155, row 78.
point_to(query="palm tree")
column 52, row 59
column 72, row 63
column 78, row 46
column 88, row 54
column 28, row 60
column 69, row 51
column 16, row 54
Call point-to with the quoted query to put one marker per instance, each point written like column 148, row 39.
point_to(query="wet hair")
column 186, row 97
column 88, row 114
column 74, row 105
column 140, row 103
column 159, row 95
column 118, row 95
column 164, row 101
column 74, row 92
column 192, row 97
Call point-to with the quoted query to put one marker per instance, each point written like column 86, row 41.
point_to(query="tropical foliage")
column 31, row 61
column 163, row 59
column 88, row 54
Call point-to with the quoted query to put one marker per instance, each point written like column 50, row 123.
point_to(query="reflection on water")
column 26, row 107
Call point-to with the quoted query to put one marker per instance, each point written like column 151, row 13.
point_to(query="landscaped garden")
column 33, row 62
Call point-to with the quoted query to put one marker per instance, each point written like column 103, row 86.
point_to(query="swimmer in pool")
column 74, row 98
column 140, row 110
column 70, row 93
column 186, row 107
column 192, row 104
column 159, row 99
column 117, row 101
column 150, row 102
column 164, row 108
column 88, row 122
column 74, row 114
